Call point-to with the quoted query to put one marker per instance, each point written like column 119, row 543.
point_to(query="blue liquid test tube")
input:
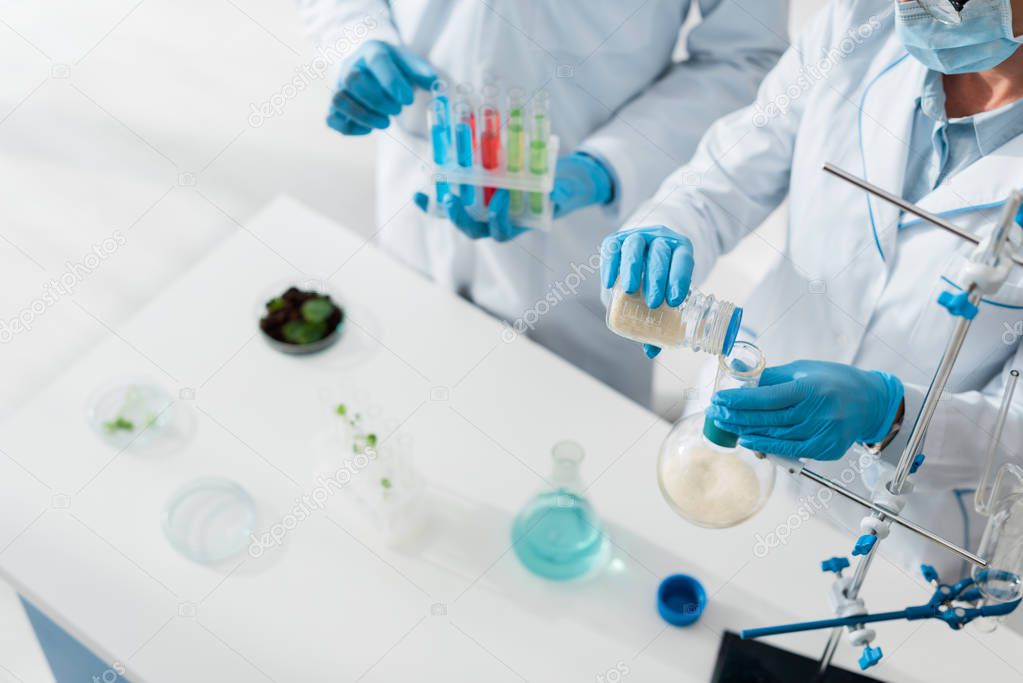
column 440, row 132
column 464, row 125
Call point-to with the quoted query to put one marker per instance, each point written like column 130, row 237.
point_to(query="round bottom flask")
column 705, row 477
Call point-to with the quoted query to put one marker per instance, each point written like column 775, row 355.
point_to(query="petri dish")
column 210, row 520
column 130, row 412
column 320, row 287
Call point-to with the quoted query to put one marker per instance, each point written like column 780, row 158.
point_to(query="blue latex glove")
column 375, row 85
column 579, row 181
column 659, row 258
column 810, row 409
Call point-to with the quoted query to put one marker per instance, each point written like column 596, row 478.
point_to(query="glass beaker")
column 1002, row 543
column 557, row 535
column 705, row 477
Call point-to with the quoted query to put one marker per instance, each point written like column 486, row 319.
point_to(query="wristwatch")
column 876, row 448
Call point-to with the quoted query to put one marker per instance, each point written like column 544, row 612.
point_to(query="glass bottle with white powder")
column 701, row 323
column 705, row 477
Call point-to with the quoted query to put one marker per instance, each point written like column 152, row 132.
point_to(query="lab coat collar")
column 984, row 184
column 885, row 120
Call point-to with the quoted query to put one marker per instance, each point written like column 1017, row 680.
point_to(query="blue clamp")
column 917, row 462
column 958, row 304
column 835, row 564
column 870, row 657
column 929, row 572
column 955, row 604
column 864, row 543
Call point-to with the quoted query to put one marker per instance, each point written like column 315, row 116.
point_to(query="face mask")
column 982, row 41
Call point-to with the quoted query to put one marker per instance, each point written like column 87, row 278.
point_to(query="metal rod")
column 908, row 207
column 898, row 519
column 829, row 652
column 931, row 400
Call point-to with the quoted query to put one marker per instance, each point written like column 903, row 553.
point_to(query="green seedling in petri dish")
column 303, row 331
column 317, row 310
column 274, row 305
column 118, row 424
column 361, row 441
column 385, row 482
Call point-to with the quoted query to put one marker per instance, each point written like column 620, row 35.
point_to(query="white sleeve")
column 741, row 169
column 730, row 50
column 339, row 27
column 958, row 438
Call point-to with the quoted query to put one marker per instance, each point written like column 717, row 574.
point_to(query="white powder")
column 629, row 316
column 711, row 488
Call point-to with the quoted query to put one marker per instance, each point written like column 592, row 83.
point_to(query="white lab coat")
column 853, row 287
column 614, row 92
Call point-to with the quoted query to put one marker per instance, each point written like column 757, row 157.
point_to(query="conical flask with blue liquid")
column 557, row 535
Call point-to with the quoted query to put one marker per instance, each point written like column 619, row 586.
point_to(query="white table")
column 80, row 524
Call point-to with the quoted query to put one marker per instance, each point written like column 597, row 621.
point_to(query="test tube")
column 539, row 135
column 516, row 143
column 464, row 93
column 490, row 135
column 463, row 147
column 440, row 131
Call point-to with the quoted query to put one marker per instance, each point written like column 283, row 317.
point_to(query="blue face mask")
column 982, row 41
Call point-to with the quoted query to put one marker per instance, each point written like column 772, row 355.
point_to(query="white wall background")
column 132, row 116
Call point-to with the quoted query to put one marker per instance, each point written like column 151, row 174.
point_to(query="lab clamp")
column 994, row 589
column 499, row 140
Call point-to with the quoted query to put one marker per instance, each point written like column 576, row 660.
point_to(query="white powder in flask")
column 711, row 487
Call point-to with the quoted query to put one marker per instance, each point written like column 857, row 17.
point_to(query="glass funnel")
column 557, row 534
column 705, row 477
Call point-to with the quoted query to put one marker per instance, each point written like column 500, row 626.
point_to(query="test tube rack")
column 453, row 171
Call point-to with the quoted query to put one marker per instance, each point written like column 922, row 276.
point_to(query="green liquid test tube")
column 540, row 134
column 516, row 144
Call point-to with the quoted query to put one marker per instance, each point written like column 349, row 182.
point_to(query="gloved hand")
column 658, row 257
column 579, row 181
column 810, row 409
column 375, row 85
column 497, row 225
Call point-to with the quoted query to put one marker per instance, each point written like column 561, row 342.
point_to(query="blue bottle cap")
column 681, row 599
column 733, row 331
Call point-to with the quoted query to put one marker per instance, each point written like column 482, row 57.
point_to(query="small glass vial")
column 701, row 323
column 703, row 475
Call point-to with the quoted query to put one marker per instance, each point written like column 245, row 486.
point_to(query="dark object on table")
column 751, row 661
column 301, row 321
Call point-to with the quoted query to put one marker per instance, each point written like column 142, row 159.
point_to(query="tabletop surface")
column 478, row 410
